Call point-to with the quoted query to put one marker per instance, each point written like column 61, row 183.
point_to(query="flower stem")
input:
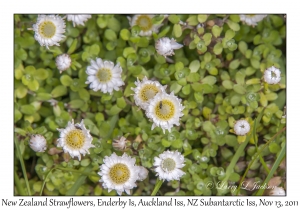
column 157, row 186
column 22, row 166
column 18, row 184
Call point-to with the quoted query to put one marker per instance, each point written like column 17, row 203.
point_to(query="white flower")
column 165, row 46
column 75, row 139
column 38, row 143
column 119, row 144
column 272, row 75
column 165, row 110
column 119, row 173
column 168, row 165
column 277, row 191
column 145, row 91
column 142, row 173
column 78, row 19
column 104, row 76
column 241, row 127
column 49, row 30
column 145, row 24
column 252, row 20
column 63, row 62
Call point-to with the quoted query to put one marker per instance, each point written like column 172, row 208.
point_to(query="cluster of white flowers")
column 166, row 46
column 163, row 109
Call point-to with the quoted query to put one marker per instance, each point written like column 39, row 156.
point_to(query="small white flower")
column 119, row 173
column 241, row 127
column 145, row 24
column 168, row 165
column 145, row 91
column 165, row 46
column 75, row 139
column 38, row 143
column 165, row 110
column 104, row 76
column 63, row 62
column 142, row 173
column 78, row 19
column 272, row 75
column 277, row 191
column 49, row 30
column 119, row 144
column 252, row 20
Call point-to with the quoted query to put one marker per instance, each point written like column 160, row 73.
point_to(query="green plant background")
column 217, row 74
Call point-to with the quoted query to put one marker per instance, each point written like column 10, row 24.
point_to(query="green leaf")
column 211, row 80
column 72, row 48
column 121, row 103
column 110, row 35
column 21, row 91
column 217, row 30
column 174, row 19
column 59, row 91
column 255, row 63
column 228, row 84
column 27, row 109
column 175, row 87
column 239, row 89
column 33, row 85
column 234, row 26
column 114, row 24
column 84, row 94
column 229, row 34
column 240, row 77
column 192, row 20
column 243, row 47
column 76, row 103
column 194, row 66
column 17, row 115
column 128, row 50
column 125, row 34
column 66, row 80
column 234, row 64
column 202, row 18
column 43, row 96
column 21, row 54
column 41, row 74
column 177, row 30
column 218, row 48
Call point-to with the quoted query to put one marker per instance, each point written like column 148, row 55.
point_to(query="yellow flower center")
column 168, row 164
column 119, row 173
column 75, row 139
column 148, row 92
column 47, row 29
column 144, row 22
column 104, row 75
column 165, row 110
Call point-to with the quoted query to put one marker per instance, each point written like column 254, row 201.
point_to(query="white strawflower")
column 63, row 62
column 168, row 165
column 277, row 191
column 49, row 30
column 145, row 91
column 78, row 19
column 252, row 19
column 165, row 111
column 119, row 173
column 142, row 173
column 104, row 76
column 75, row 139
column 145, row 24
column 119, row 144
column 165, row 46
column 272, row 75
column 38, row 143
column 241, row 127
